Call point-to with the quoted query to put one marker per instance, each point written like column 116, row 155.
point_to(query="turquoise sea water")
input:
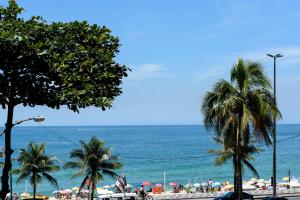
column 149, row 151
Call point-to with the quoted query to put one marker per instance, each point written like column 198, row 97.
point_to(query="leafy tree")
column 93, row 160
column 35, row 165
column 56, row 64
column 236, row 105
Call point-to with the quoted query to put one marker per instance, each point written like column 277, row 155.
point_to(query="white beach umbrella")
column 107, row 186
column 248, row 187
column 250, row 182
column 204, row 184
column 196, row 185
column 128, row 186
column 253, row 179
column 261, row 180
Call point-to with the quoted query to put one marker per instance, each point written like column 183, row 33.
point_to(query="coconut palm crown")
column 35, row 165
column 93, row 160
column 234, row 106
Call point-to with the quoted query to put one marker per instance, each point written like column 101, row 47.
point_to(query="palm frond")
column 50, row 179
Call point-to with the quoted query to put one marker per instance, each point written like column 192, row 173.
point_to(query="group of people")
column 11, row 197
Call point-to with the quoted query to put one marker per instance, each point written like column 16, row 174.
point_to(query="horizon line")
column 129, row 125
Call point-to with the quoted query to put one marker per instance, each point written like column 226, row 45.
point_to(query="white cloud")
column 147, row 71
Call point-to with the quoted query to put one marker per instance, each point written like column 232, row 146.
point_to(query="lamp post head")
column 275, row 56
column 39, row 119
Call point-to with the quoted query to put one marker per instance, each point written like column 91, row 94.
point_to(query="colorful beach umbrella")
column 286, row 178
column 173, row 184
column 75, row 188
column 158, row 185
column 25, row 194
column 228, row 187
column 146, row 183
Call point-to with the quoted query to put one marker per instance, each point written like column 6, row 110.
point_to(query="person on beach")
column 142, row 192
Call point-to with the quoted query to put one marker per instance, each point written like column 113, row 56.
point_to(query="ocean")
column 148, row 151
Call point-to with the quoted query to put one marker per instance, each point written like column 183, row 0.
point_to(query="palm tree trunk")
column 34, row 185
column 235, row 174
column 93, row 189
column 239, row 164
column 8, row 150
column 90, row 190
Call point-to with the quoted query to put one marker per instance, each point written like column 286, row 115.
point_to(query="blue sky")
column 177, row 51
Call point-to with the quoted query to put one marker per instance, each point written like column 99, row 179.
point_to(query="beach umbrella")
column 107, row 186
column 261, row 180
column 204, row 184
column 260, row 184
column 253, row 179
column 196, row 185
column 228, row 187
column 54, row 192
column 66, row 191
column 75, row 188
column 128, row 186
column 216, row 184
column 25, row 194
column 99, row 188
column 146, row 183
column 286, row 178
column 158, row 185
column 187, row 185
column 248, row 187
column 250, row 182
column 173, row 184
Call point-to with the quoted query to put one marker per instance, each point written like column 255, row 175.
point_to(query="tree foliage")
column 54, row 64
column 57, row 64
column 35, row 165
column 93, row 160
column 234, row 106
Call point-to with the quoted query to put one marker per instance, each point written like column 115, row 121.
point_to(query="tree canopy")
column 57, row 63
column 54, row 64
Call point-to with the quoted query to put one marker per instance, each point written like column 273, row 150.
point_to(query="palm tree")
column 228, row 153
column 246, row 101
column 35, row 165
column 93, row 160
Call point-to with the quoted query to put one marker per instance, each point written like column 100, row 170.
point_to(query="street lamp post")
column 274, row 125
column 36, row 119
